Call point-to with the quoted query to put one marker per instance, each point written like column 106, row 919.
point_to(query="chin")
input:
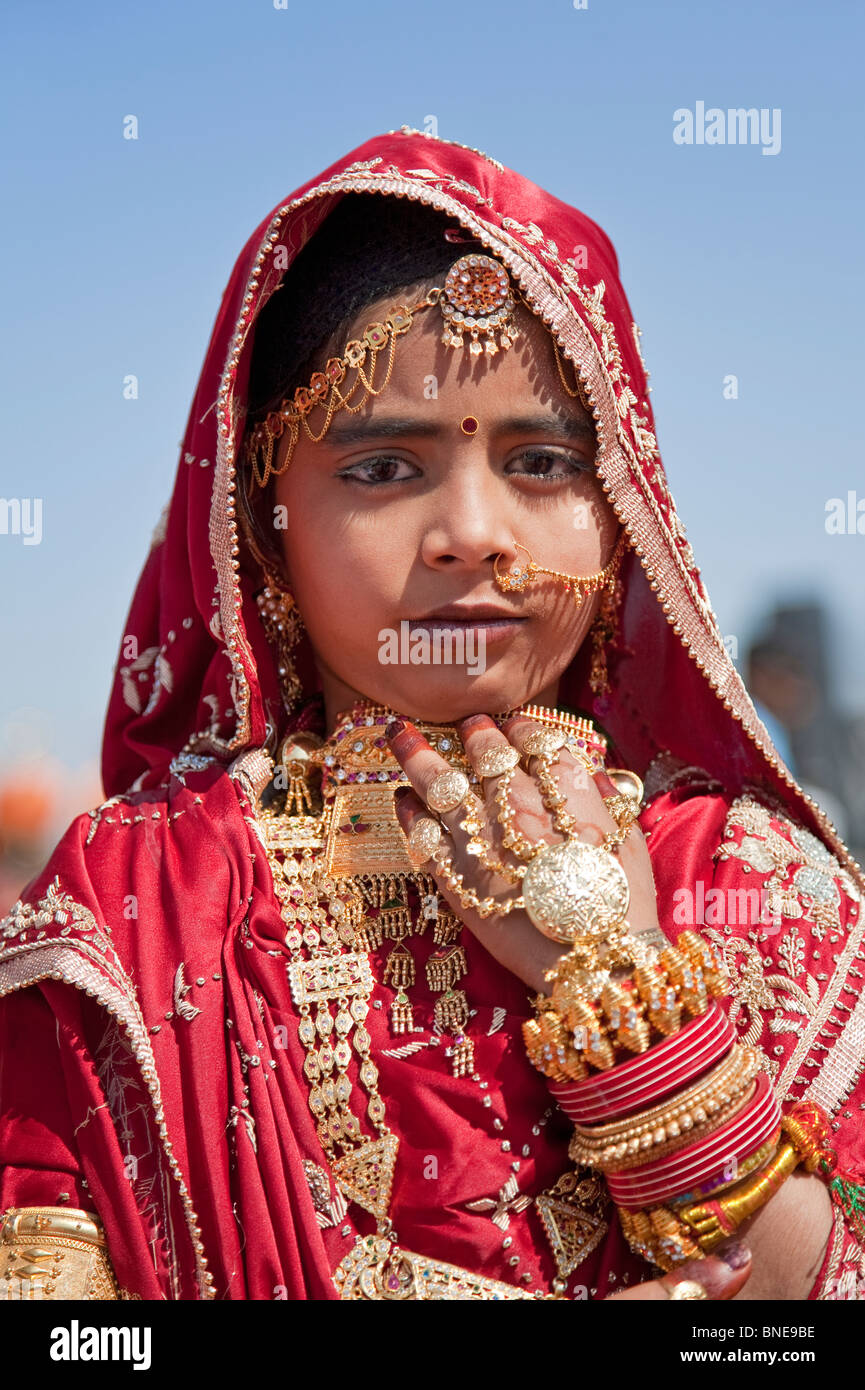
column 444, row 699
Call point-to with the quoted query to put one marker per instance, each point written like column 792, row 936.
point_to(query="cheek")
column 337, row 567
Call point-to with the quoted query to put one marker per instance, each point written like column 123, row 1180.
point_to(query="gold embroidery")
column 376, row 1270
column 804, row 883
column 55, row 907
column 79, row 963
column 765, row 848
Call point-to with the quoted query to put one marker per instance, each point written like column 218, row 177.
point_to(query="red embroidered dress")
column 150, row 1067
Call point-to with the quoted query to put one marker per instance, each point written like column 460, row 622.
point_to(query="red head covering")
column 177, row 1103
column 202, row 679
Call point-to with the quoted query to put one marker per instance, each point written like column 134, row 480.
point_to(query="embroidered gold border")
column 27, row 964
column 845, row 1060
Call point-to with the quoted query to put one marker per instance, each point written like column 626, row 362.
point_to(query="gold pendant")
column 364, row 835
column 573, row 1232
column 366, row 1175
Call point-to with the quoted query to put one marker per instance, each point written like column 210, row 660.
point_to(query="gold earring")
column 283, row 626
column 605, row 630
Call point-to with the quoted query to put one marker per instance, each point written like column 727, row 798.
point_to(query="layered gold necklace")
column 345, row 885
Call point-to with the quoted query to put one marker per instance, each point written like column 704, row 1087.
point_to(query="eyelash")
column 574, row 464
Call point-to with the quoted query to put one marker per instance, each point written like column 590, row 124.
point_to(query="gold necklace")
column 344, row 883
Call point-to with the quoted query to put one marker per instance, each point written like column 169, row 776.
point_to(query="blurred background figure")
column 789, row 675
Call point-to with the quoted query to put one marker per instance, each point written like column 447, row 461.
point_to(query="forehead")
column 426, row 371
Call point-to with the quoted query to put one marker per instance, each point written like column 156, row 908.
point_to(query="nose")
column 470, row 525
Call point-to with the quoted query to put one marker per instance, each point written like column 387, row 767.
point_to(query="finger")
column 423, row 766
column 491, row 755
column 572, row 775
column 722, row 1275
column 423, row 832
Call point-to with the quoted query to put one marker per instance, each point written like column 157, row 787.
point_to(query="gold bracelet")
column 49, row 1253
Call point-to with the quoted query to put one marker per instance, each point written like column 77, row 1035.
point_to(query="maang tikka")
column 477, row 305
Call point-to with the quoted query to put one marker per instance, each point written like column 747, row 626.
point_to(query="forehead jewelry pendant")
column 477, row 301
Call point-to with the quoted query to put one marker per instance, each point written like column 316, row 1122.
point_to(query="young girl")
column 452, row 928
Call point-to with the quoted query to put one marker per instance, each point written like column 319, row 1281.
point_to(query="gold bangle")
column 51, row 1253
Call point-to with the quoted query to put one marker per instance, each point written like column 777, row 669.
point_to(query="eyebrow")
column 573, row 428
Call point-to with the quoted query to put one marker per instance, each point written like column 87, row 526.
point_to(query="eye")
column 548, row 464
column 381, row 469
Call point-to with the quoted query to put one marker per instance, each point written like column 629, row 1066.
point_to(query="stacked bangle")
column 574, row 1032
column 687, row 1129
column 657, row 1182
column 651, row 1076
column 648, row 1135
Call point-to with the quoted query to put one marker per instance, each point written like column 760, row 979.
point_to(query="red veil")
column 142, row 1077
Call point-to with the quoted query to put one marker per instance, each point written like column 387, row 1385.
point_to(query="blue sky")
column 116, row 254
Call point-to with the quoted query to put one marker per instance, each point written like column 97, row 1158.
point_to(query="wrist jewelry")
column 666, row 1235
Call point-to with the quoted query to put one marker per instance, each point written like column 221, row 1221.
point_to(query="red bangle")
column 667, row 1177
column 721, row 1178
column 664, row 1068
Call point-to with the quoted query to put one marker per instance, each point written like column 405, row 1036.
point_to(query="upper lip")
column 467, row 613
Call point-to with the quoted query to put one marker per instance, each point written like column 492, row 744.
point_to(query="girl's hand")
column 722, row 1275
column 513, row 939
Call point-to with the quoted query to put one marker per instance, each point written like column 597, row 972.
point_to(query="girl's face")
column 391, row 523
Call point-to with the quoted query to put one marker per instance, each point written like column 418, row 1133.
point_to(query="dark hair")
column 368, row 247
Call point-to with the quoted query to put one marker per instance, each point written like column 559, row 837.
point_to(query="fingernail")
column 734, row 1254
column 605, row 784
column 472, row 720
column 402, row 793
column 395, row 727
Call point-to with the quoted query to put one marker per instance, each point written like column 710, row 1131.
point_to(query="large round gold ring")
column 574, row 889
column 688, row 1288
column 447, row 791
column 494, row 761
column 423, row 839
column 543, row 743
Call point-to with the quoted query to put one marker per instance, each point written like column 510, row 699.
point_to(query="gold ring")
column 494, row 761
column 627, row 783
column 447, row 791
column 423, row 840
column 543, row 743
column 575, row 889
column 688, row 1288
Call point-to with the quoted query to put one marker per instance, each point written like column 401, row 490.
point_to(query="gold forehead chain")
column 475, row 301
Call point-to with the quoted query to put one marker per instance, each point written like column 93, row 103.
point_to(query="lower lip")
column 493, row 629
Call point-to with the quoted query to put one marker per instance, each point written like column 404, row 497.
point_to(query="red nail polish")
column 734, row 1254
column 395, row 727
column 473, row 721
column 605, row 784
